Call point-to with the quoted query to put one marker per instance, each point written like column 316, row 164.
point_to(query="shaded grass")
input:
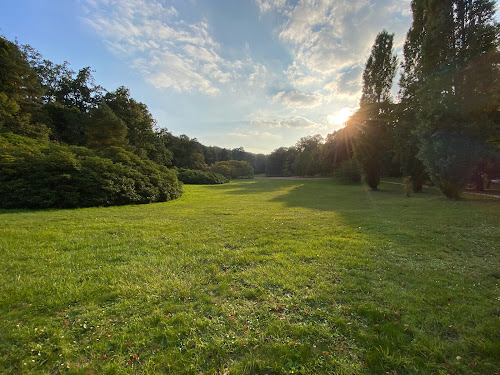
column 264, row 276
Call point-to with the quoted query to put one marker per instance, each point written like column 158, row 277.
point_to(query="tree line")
column 73, row 120
column 445, row 128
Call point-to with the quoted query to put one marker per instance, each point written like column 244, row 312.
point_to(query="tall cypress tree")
column 370, row 122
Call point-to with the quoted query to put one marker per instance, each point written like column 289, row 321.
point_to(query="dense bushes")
column 35, row 174
column 196, row 177
column 232, row 169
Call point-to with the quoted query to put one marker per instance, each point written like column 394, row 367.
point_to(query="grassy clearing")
column 264, row 277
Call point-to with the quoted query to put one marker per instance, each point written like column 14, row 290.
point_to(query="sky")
column 258, row 74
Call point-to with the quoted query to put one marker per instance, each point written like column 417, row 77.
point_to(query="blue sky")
column 253, row 73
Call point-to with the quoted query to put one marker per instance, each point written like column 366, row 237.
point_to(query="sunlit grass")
column 264, row 276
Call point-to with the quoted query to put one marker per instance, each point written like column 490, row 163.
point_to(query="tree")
column 450, row 85
column 141, row 137
column 104, row 129
column 370, row 122
column 380, row 70
column 302, row 164
column 80, row 92
column 20, row 94
column 66, row 124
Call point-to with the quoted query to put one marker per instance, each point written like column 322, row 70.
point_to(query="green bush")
column 233, row 169
column 196, row 177
column 450, row 160
column 348, row 171
column 36, row 174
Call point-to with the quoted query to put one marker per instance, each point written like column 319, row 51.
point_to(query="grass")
column 255, row 277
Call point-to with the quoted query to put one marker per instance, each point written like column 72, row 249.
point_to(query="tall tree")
column 370, row 122
column 379, row 71
column 20, row 93
column 450, row 86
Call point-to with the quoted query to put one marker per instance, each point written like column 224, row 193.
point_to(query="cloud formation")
column 318, row 47
column 297, row 122
column 298, row 99
column 328, row 35
column 170, row 52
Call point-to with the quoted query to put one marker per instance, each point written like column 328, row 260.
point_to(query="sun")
column 341, row 116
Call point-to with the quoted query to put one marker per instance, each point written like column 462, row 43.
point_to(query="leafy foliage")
column 36, row 174
column 450, row 85
column 450, row 160
column 232, row 169
column 379, row 71
column 196, row 177
column 371, row 140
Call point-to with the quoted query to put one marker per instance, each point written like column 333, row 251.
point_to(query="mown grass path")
column 262, row 277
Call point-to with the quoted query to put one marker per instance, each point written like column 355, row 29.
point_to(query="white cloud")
column 267, row 5
column 347, row 83
column 330, row 40
column 329, row 35
column 171, row 53
column 298, row 99
column 297, row 122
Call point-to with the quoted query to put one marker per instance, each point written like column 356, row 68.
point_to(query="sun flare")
column 341, row 116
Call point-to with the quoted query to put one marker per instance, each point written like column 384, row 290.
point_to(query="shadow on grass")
column 314, row 194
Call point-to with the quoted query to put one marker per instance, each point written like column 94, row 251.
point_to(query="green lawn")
column 255, row 277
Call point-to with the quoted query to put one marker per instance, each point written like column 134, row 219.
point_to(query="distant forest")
column 65, row 141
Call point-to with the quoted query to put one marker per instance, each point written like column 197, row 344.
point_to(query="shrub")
column 450, row 160
column 35, row 174
column 196, row 177
column 348, row 171
column 233, row 169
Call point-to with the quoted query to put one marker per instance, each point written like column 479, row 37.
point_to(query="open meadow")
column 263, row 276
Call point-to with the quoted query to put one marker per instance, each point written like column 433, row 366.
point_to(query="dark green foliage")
column 66, row 124
column 80, row 92
column 302, row 164
column 450, row 85
column 406, row 146
column 348, row 171
column 141, row 137
column 105, row 129
column 20, row 94
column 380, row 70
column 371, row 140
column 450, row 160
column 187, row 152
column 196, row 177
column 232, row 169
column 36, row 174
column 280, row 162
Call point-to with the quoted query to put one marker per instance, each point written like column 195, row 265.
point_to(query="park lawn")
column 255, row 277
